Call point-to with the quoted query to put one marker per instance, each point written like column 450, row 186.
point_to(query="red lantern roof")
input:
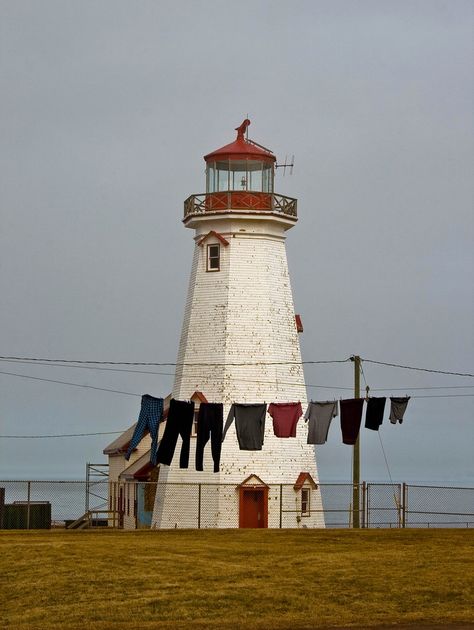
column 241, row 149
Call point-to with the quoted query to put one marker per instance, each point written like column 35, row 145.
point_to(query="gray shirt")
column 319, row 416
column 249, row 425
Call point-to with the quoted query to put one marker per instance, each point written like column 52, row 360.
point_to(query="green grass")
column 232, row 579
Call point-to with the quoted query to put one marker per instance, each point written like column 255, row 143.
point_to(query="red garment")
column 351, row 416
column 285, row 418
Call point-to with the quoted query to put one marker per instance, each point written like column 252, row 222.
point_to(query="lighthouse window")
column 213, row 257
column 305, row 502
column 223, row 177
column 238, row 175
column 267, row 177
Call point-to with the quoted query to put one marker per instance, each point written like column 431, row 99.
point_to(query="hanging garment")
column 397, row 409
column 351, row 416
column 318, row 416
column 285, row 418
column 209, row 424
column 249, row 425
column 179, row 422
column 151, row 414
column 374, row 413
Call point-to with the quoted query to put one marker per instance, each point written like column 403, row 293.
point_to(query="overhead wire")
column 312, row 385
column 244, row 363
column 85, row 367
column 50, row 380
column 418, row 369
column 183, row 364
column 117, row 391
column 61, row 435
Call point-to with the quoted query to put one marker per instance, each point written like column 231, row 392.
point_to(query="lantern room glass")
column 241, row 175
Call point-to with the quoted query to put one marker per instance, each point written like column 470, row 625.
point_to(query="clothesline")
column 250, row 424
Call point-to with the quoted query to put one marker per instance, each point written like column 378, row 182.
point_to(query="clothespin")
column 367, row 388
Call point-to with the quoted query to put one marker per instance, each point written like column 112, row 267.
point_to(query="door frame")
column 252, row 488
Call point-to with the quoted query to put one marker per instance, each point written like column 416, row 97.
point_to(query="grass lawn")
column 235, row 579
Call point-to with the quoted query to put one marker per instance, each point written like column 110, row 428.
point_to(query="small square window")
column 213, row 257
column 305, row 502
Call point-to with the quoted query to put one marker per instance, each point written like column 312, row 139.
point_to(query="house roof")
column 304, row 477
column 120, row 444
column 139, row 469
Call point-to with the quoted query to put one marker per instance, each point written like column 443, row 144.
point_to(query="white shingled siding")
column 243, row 313
column 118, row 463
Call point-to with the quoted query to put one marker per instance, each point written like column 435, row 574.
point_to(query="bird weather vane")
column 243, row 129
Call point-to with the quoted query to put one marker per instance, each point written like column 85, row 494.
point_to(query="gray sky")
column 107, row 109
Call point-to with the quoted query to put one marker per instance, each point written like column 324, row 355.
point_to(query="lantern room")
column 242, row 165
column 239, row 178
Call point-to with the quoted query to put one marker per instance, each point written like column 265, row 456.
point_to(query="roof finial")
column 242, row 129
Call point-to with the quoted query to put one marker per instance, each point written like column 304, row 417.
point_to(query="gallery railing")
column 245, row 201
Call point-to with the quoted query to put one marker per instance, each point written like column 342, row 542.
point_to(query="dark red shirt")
column 285, row 418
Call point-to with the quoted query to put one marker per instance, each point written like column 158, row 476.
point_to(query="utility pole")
column 356, row 454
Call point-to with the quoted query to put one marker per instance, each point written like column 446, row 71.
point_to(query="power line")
column 117, row 391
column 418, row 369
column 94, row 367
column 245, row 363
column 60, row 435
column 85, row 367
column 50, row 380
column 145, row 363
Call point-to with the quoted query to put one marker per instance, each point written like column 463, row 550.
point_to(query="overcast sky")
column 106, row 110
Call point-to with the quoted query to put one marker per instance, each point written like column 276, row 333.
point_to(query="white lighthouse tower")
column 239, row 343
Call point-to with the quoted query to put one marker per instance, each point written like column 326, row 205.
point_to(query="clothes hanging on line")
column 397, row 408
column 351, row 417
column 209, row 424
column 318, row 416
column 374, row 412
column 285, row 418
column 151, row 414
column 179, row 422
column 249, row 425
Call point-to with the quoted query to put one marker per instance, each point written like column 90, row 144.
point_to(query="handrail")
column 246, row 201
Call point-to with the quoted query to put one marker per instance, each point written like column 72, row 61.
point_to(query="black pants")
column 210, row 421
column 179, row 422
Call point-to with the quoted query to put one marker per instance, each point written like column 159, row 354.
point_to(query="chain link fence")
column 142, row 505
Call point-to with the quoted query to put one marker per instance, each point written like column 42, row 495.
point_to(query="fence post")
column 28, row 506
column 199, row 506
column 404, row 504
column 364, row 504
column 281, row 505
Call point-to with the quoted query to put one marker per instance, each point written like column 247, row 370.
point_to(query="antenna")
column 287, row 164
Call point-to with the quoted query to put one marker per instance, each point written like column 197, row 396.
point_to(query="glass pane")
column 238, row 175
column 211, row 176
column 223, row 180
column 255, row 180
column 213, row 251
column 267, row 184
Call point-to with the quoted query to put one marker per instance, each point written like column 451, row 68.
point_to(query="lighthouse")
column 239, row 344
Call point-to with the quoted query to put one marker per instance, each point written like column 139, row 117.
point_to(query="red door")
column 253, row 511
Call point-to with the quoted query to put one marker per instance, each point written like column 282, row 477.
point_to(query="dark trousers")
column 179, row 422
column 210, row 422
